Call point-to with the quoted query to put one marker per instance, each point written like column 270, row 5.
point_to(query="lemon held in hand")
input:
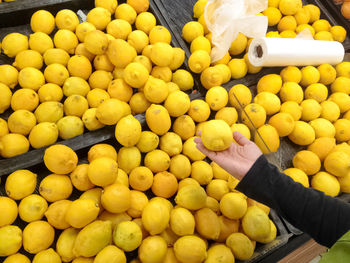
column 217, row 135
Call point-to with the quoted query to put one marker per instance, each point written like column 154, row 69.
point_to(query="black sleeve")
column 324, row 218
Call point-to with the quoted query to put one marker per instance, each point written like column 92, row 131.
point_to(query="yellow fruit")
column 75, row 105
column 323, row 128
column 170, row 256
column 162, row 54
column 50, row 92
column 93, row 238
column 226, row 72
column 126, row 12
column 103, row 171
column 316, row 91
column 83, row 260
column 191, row 30
column 138, row 39
column 127, row 235
column 82, row 51
column 67, row 19
column 199, row 61
column 138, row 202
column 21, row 122
column 38, row 236
column 182, row 222
column 201, row 172
column 311, row 110
column 303, row 133
column 157, row 161
column 207, row 223
column 56, row 213
column 218, row 172
column 289, row 7
column 79, row 66
column 111, row 111
column 336, row 163
column 102, row 150
column 141, row 178
column 129, row 158
column 139, row 103
column 233, row 205
column 288, row 34
column 65, row 244
column 31, row 78
column 56, row 55
column 343, row 69
column 75, row 86
column 17, row 258
column 238, row 45
column 219, row 253
column 14, row 43
column 217, row 98
column 238, row 68
column 321, row 25
column 99, row 17
column 148, row 141
column 189, row 181
column 338, row 33
column 136, row 75
column 256, row 223
column 216, row 135
column 60, row 159
column 180, row 166
column 330, row 111
column 291, row 91
column 128, row 131
column 20, row 184
column 122, row 178
column 55, row 187
column 283, row 123
column 102, row 62
column 199, row 110
column 239, row 96
column 227, row 114
column 11, row 240
column 10, row 211
column 171, row 143
column 95, row 97
column 254, row 115
column 322, row 147
column 145, row 21
column 155, row 217
column 120, row 53
column 267, row 139
column 119, row 28
column 184, row 127
column 155, row 115
column 159, row 34
column 66, row 40
column 298, row 176
column 177, row 103
column 190, row 150
column 178, row 59
column 273, row 14
column 93, row 194
column 200, row 43
column 116, row 198
column 110, row 254
column 198, row 8
column 302, row 16
column 227, row 227
column 13, row 144
column 190, row 249
column 42, row 21
column 307, row 161
column 269, row 101
column 70, row 127
column 144, row 61
column 28, row 58
column 342, row 100
column 270, row 83
column 326, row 183
column 56, row 74
column 119, row 89
column 342, row 130
column 341, row 84
column 287, row 23
column 82, row 29
column 100, row 79
column 324, row 35
column 81, row 212
column 192, row 197
column 153, row 249
column 314, row 12
column 8, row 75
column 183, row 79
column 3, row 128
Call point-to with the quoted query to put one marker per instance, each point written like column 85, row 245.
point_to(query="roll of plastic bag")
column 278, row 52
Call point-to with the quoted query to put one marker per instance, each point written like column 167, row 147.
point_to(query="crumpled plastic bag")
column 226, row 18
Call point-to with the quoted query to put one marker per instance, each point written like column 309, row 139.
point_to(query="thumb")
column 240, row 138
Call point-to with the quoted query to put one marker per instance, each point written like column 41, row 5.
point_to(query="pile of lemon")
column 114, row 214
column 289, row 16
column 68, row 76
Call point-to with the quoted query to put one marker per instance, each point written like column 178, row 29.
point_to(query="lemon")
column 11, row 240
column 153, row 249
column 93, row 238
column 324, row 35
column 96, row 42
column 128, row 131
column 155, row 90
column 109, row 254
column 338, row 33
column 79, row 66
column 273, row 14
column 233, row 205
column 38, row 236
column 239, row 96
column 321, row 25
column 192, row 197
column 148, row 141
column 162, row 54
column 50, row 92
column 90, row 121
column 215, row 140
column 303, row 133
column 110, row 5
column 10, row 211
column 138, row 39
column 65, row 125
column 342, row 100
column 8, row 76
column 199, row 110
column 178, row 59
column 227, row 114
column 99, row 17
column 192, row 30
column 138, row 202
column 316, row 91
column 254, row 115
column 289, row 7
column 13, row 144
column 191, row 151
column 341, row 84
column 219, row 252
column 75, row 86
column 31, row 78
column 307, row 161
column 14, row 43
column 213, row 204
column 129, row 158
column 42, row 21
column 83, row 29
column 238, row 45
column 66, row 40
column 103, row 171
column 326, row 183
column 171, row 143
column 273, row 34
column 217, row 98
column 3, row 127
column 302, row 16
column 60, row 159
column 28, row 58
column 32, row 208
column 199, row 61
column 182, row 222
column 238, row 68
column 225, row 59
column 141, row 178
column 183, row 79
column 159, row 34
column 127, row 235
column 50, row 111
column 75, row 105
column 56, row 55
column 100, row 79
column 110, row 111
column 116, row 198
column 102, row 62
column 126, row 12
column 188, row 181
column 56, row 74
column 342, row 130
column 80, row 179
column 65, row 244
column 200, row 43
column 136, row 75
column 207, row 223
column 217, row 188
column 288, row 34
column 163, row 73
column 95, row 195
column 310, row 75
column 198, row 8
column 145, row 61
column 314, row 12
column 81, row 212
column 82, row 51
column 283, row 123
column 269, row 101
column 330, row 111
column 155, row 115
column 66, row 19
column 291, row 91
column 20, row 184
column 270, row 83
column 298, row 176
column 102, row 150
column 145, row 21
column 287, row 23
column 311, row 110
column 17, row 258
column 267, row 138
column 256, row 223
column 6, row 97
column 344, row 183
column 322, row 147
column 201, row 172
column 323, row 128
column 120, row 53
column 184, row 126
column 190, row 249
column 157, row 161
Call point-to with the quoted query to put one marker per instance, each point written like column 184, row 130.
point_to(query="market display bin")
column 23, row 12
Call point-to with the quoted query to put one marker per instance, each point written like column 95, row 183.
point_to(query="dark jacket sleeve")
column 324, row 218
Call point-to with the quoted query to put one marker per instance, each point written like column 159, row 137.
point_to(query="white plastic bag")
column 226, row 18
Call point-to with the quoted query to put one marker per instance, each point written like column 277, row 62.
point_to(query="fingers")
column 204, row 150
column 240, row 138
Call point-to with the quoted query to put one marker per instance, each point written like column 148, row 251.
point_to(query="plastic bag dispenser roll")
column 277, row 52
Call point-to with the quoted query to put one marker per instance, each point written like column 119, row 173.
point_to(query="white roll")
column 278, row 52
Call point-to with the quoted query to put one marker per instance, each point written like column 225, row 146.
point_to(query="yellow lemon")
column 191, row 30
column 303, row 133
column 269, row 101
column 198, row 8
column 316, row 91
column 270, row 83
column 145, row 21
column 42, row 21
column 103, row 171
column 116, row 198
column 238, row 68
column 216, row 135
column 201, row 172
column 126, row 12
column 342, row 100
column 267, row 138
column 321, row 25
column 13, row 144
column 110, row 111
column 184, row 126
column 11, row 240
column 17, row 258
column 31, row 78
column 303, row 27
column 102, row 150
column 14, row 43
column 8, row 75
column 287, row 23
column 79, row 66
column 96, row 42
column 302, row 16
column 291, row 91
column 207, row 223
column 323, row 35
column 159, row 34
column 110, row 253
column 288, row 34
column 38, row 236
column 338, row 33
column 65, row 125
column 273, row 14
column 326, row 183
column 217, row 98
column 153, row 249
column 136, row 75
column 138, row 39
column 182, row 222
column 283, row 122
column 3, row 127
column 50, row 92
column 183, row 79
column 310, row 75
column 322, row 147
column 28, row 58
column 254, row 115
column 342, row 130
column 65, row 244
column 298, row 176
column 127, row 235
column 199, row 61
column 311, row 110
column 75, row 105
column 291, row 74
column 100, row 79
column 81, row 212
column 256, row 224
column 233, row 205
column 6, row 97
column 145, row 61
column 212, row 76
column 239, row 96
column 200, row 43
column 20, row 184
column 289, row 7
column 323, row 128
column 241, row 246
column 110, row 5
column 191, row 151
column 178, row 58
column 162, row 54
column 190, row 249
column 121, row 53
column 56, row 55
column 102, row 62
column 128, row 131
column 32, row 208
column 341, row 84
column 83, row 29
column 66, row 19
column 56, row 74
column 66, row 40
column 10, row 211
column 55, row 187
column 307, row 161
column 99, row 17
column 314, row 12
column 238, row 45
column 330, row 111
column 163, row 73
column 228, row 114
column 60, row 159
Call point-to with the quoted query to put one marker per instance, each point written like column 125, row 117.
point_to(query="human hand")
column 237, row 159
